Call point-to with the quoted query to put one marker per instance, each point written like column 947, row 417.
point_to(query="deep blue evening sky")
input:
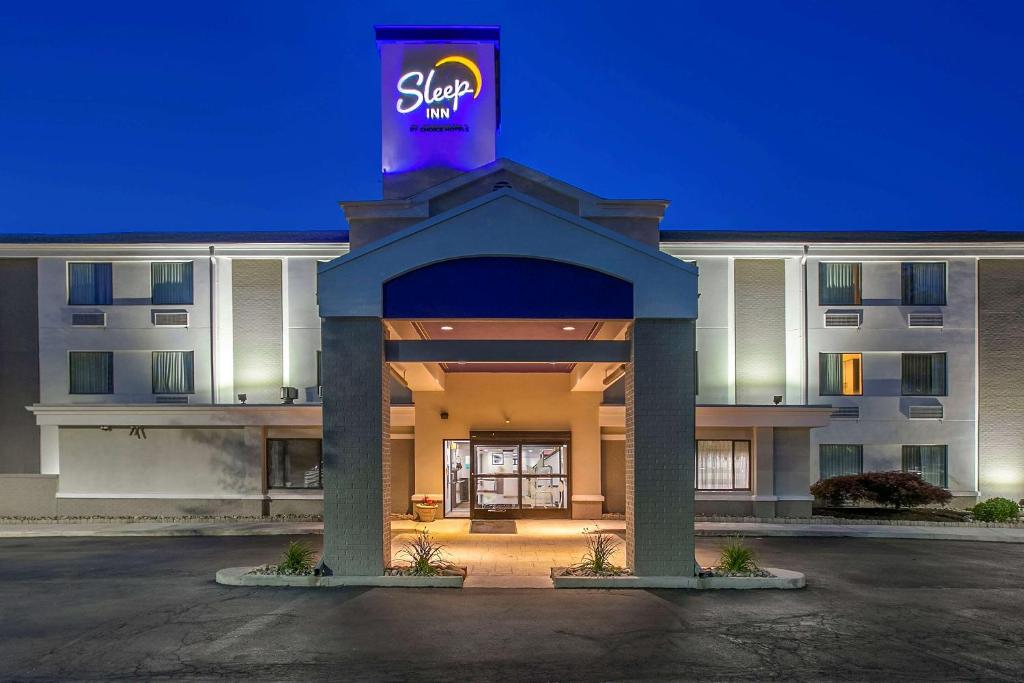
column 748, row 115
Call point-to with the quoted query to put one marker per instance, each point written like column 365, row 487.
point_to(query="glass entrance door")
column 519, row 475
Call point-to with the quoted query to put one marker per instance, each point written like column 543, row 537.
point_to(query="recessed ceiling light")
column 568, row 328
column 447, row 328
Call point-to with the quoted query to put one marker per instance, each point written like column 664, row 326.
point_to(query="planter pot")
column 426, row 513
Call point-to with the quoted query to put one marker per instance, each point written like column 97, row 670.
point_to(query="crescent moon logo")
column 469, row 64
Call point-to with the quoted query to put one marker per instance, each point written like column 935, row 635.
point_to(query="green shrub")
column 996, row 510
column 598, row 558
column 737, row 558
column 890, row 489
column 426, row 556
column 297, row 559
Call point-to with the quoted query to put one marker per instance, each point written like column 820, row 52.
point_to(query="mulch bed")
column 911, row 515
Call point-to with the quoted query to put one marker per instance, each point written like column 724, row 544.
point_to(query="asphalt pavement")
column 874, row 610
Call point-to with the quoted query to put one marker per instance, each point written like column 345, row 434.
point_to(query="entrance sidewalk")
column 532, row 528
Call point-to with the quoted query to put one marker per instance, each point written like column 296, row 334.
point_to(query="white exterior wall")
column 129, row 333
column 302, row 327
column 716, row 382
column 884, row 426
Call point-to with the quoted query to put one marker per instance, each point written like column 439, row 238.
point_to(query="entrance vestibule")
column 508, row 475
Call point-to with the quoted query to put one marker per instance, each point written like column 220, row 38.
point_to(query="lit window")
column 723, row 465
column 840, row 374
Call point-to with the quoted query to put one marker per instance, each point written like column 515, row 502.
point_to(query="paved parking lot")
column 147, row 607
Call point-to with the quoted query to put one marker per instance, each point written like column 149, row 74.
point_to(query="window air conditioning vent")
column 842, row 320
column 924, row 320
column 89, row 319
column 170, row 318
column 926, row 412
column 846, row 413
column 172, row 399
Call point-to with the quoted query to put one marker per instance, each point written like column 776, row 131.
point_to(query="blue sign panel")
column 496, row 287
column 439, row 101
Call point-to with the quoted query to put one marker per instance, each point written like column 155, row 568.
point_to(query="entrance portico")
column 370, row 299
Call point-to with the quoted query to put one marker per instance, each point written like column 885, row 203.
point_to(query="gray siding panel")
column 19, row 365
column 258, row 328
column 760, row 315
column 1000, row 377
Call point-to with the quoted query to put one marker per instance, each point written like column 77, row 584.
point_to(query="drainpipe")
column 807, row 346
column 213, row 326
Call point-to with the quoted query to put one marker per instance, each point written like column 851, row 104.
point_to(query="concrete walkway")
column 542, row 528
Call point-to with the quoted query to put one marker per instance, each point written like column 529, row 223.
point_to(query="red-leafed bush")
column 891, row 489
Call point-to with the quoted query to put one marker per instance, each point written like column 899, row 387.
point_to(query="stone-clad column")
column 357, row 440
column 660, row 448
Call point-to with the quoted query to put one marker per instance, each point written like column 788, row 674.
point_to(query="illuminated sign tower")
column 439, row 103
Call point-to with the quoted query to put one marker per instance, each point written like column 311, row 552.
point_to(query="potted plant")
column 426, row 509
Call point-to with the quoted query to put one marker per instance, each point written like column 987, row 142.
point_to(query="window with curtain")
column 929, row 462
column 924, row 374
column 840, row 374
column 924, row 284
column 90, row 284
column 91, row 372
column 173, row 372
column 840, row 459
column 723, row 465
column 294, row 463
column 172, row 283
column 839, row 284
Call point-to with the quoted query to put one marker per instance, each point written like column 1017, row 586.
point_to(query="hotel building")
column 502, row 342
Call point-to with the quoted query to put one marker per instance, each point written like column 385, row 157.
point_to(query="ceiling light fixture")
column 447, row 328
column 568, row 328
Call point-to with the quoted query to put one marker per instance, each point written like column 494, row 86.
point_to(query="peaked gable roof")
column 507, row 222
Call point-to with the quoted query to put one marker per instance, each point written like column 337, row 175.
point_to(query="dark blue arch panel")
column 507, row 287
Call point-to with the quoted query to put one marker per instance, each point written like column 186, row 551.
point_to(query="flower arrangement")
column 426, row 509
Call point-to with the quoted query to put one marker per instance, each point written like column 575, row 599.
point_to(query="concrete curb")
column 240, row 576
column 781, row 579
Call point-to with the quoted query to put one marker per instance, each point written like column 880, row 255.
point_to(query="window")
column 294, row 463
column 839, row 459
column 839, row 284
column 840, row 374
column 172, row 283
column 91, row 372
column 90, row 284
column 924, row 374
column 173, row 372
column 929, row 462
column 723, row 465
column 924, row 284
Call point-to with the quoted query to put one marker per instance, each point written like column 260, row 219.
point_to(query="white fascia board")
column 194, row 415
column 168, row 251
column 738, row 416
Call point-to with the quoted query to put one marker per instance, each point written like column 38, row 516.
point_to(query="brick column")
column 660, row 448
column 357, row 444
